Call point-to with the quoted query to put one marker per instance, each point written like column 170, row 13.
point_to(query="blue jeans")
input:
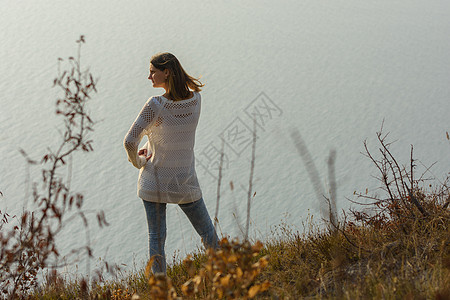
column 156, row 218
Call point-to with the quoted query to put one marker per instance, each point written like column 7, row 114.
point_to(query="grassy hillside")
column 381, row 256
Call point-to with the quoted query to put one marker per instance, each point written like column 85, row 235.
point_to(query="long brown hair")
column 178, row 81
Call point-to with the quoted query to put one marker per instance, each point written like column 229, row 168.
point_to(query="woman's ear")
column 166, row 73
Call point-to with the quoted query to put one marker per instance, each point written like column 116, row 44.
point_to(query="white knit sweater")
column 169, row 176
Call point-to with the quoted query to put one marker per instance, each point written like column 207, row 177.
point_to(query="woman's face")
column 158, row 77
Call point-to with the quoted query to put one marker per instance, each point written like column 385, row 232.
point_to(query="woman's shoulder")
column 196, row 95
column 158, row 100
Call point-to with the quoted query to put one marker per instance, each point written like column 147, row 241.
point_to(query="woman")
column 166, row 163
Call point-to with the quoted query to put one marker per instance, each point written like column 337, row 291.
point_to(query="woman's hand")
column 144, row 153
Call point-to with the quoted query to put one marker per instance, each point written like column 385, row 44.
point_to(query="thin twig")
column 333, row 188
column 219, row 181
column 250, row 181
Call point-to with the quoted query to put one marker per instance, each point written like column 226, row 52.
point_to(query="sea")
column 331, row 73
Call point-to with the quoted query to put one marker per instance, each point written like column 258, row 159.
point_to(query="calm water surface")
column 333, row 70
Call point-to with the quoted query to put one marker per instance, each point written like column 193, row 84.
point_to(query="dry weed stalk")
column 28, row 244
column 404, row 196
column 328, row 211
column 250, row 181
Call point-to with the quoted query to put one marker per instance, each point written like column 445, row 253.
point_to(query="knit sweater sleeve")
column 143, row 122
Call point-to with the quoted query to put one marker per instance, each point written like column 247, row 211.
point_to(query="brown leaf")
column 239, row 272
column 253, row 291
column 188, row 288
column 225, row 281
column 219, row 292
column 265, row 286
column 257, row 246
column 232, row 258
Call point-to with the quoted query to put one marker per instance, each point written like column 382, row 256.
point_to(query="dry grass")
column 364, row 262
column 358, row 261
